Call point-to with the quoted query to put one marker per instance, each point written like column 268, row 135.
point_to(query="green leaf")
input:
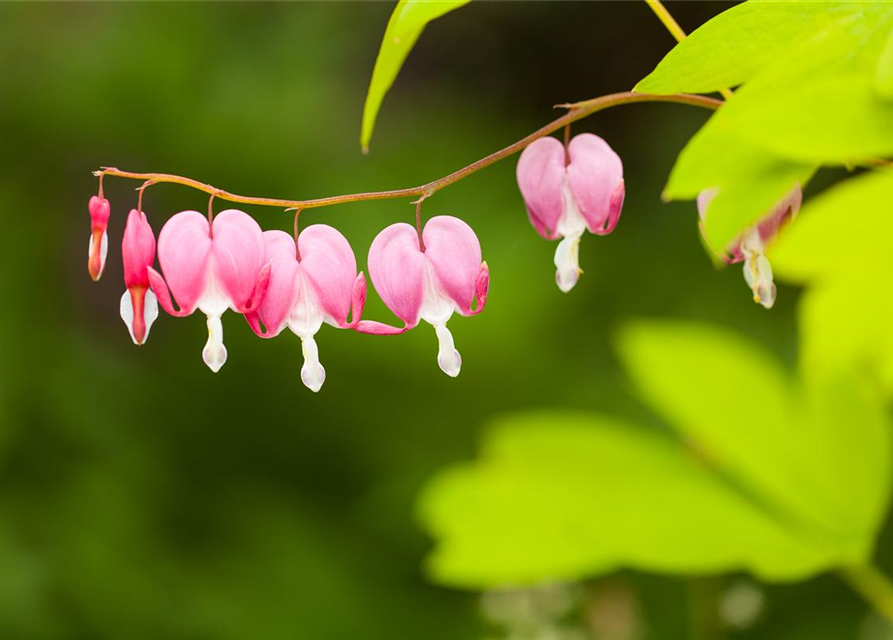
column 405, row 26
column 817, row 101
column 564, row 496
column 739, row 43
column 883, row 78
column 750, row 180
column 839, row 245
column 813, row 75
column 738, row 405
column 770, row 477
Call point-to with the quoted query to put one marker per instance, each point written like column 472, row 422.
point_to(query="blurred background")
column 142, row 496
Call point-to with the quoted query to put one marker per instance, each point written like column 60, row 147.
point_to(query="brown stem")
column 576, row 111
column 418, row 222
column 139, row 199
column 567, row 141
column 297, row 249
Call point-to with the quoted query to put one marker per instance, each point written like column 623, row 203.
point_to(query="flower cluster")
column 226, row 262
column 571, row 189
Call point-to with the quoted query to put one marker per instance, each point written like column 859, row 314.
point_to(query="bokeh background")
column 142, row 496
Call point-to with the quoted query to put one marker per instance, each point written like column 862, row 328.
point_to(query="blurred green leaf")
column 739, row 43
column 565, row 496
column 733, row 401
column 766, row 483
column 883, row 81
column 750, row 180
column 405, row 26
column 839, row 246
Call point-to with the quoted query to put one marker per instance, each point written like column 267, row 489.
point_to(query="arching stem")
column 576, row 111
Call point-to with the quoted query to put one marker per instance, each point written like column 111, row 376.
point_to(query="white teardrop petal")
column 214, row 353
column 313, row 374
column 447, row 357
column 567, row 263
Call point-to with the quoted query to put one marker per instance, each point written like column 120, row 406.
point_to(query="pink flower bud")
column 212, row 268
column 98, row 248
column 316, row 284
column 139, row 306
column 429, row 285
column 751, row 245
column 568, row 192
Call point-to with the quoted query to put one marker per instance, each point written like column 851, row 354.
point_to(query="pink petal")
column 594, row 175
column 184, row 246
column 541, row 173
column 397, row 269
column 783, row 211
column 273, row 311
column 358, row 300
column 454, row 253
column 238, row 250
column 374, row 328
column 100, row 210
column 137, row 249
column 329, row 264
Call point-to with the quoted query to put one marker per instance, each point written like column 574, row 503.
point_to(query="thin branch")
column 577, row 111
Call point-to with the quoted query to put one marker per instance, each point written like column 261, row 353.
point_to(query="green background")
column 142, row 496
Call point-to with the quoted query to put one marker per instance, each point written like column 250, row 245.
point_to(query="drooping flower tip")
column 430, row 285
column 569, row 191
column 320, row 286
column 750, row 246
column 98, row 248
column 139, row 306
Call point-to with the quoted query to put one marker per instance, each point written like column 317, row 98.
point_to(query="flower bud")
column 139, row 306
column 98, row 248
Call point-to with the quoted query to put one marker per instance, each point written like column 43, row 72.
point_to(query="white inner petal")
column 305, row 320
column 571, row 226
column 214, row 353
column 758, row 275
column 313, row 374
column 103, row 250
column 150, row 313
column 447, row 357
column 127, row 313
column 571, row 223
column 305, row 317
column 213, row 302
column 567, row 263
column 436, row 310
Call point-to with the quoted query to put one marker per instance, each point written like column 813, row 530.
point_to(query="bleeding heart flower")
column 98, row 248
column 315, row 284
column 429, row 284
column 751, row 245
column 569, row 191
column 139, row 306
column 213, row 268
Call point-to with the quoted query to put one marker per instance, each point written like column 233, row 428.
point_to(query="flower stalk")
column 576, row 111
